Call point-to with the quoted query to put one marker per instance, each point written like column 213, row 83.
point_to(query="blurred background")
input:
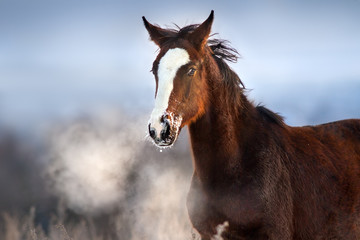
column 76, row 92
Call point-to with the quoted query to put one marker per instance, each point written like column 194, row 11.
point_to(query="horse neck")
column 218, row 138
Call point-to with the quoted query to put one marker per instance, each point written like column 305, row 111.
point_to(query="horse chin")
column 165, row 144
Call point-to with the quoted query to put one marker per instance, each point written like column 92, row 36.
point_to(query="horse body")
column 266, row 179
column 303, row 183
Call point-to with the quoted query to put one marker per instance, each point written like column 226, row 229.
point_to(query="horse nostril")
column 165, row 133
column 152, row 132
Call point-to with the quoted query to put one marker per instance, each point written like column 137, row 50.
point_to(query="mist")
column 105, row 164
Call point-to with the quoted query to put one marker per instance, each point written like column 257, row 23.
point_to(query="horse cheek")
column 187, row 90
column 190, row 98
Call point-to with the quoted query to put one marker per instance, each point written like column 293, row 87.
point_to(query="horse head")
column 180, row 75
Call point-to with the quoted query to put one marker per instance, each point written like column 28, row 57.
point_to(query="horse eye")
column 191, row 72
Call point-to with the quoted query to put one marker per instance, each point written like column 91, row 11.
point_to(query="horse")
column 263, row 178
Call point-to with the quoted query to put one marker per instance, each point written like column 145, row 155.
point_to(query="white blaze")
column 168, row 66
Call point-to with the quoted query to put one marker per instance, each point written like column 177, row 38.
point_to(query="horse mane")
column 222, row 52
column 270, row 116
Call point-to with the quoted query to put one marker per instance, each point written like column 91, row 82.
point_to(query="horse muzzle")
column 164, row 130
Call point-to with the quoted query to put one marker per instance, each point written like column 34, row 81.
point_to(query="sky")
column 61, row 59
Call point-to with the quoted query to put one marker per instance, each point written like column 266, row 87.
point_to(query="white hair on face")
column 168, row 66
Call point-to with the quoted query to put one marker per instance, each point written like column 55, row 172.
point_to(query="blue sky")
column 59, row 59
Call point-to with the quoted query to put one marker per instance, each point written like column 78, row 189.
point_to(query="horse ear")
column 200, row 35
column 157, row 34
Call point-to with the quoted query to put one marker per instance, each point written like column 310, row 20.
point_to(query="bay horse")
column 265, row 179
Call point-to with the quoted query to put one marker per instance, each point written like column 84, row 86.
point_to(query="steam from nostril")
column 95, row 168
column 91, row 160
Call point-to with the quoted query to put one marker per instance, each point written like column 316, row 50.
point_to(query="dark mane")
column 221, row 51
column 270, row 116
